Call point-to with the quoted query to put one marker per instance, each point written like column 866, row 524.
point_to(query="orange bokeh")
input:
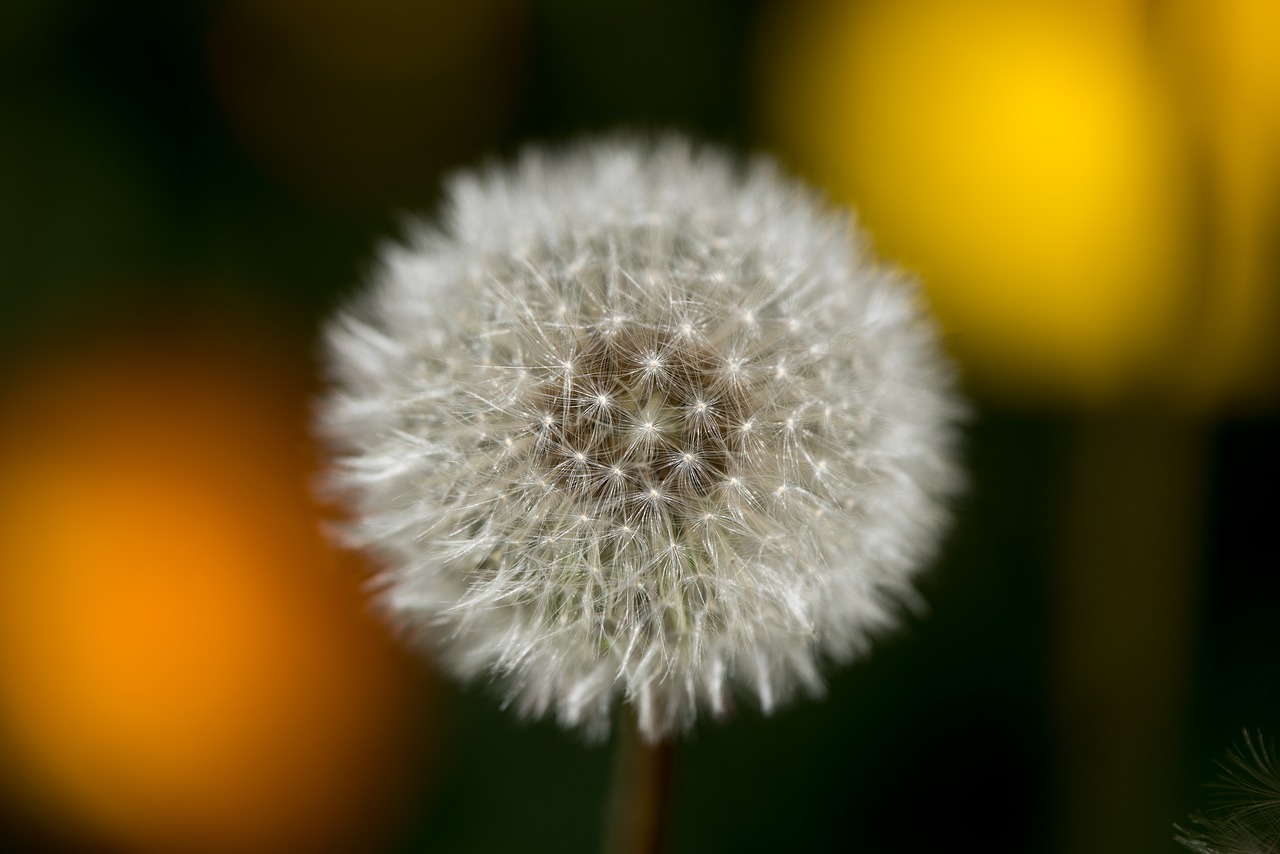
column 182, row 665
column 362, row 104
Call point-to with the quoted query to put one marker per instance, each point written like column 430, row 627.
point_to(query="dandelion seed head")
column 728, row 436
column 1246, row 817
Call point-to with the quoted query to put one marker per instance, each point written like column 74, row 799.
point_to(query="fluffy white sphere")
column 634, row 421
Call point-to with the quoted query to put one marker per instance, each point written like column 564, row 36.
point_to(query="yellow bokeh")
column 1022, row 159
column 1224, row 58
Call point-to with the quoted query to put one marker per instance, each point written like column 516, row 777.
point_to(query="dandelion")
column 636, row 423
column 1247, row 819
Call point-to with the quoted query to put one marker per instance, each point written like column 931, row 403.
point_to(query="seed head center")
column 646, row 420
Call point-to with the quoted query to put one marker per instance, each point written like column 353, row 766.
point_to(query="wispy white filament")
column 634, row 422
column 1247, row 818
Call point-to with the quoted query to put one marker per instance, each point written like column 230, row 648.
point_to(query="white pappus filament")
column 633, row 422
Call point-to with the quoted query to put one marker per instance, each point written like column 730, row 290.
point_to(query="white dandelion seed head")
column 635, row 423
column 1246, row 819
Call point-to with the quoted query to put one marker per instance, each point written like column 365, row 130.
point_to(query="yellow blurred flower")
column 1027, row 160
column 1224, row 57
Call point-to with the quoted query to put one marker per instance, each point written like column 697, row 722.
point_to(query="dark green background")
column 126, row 199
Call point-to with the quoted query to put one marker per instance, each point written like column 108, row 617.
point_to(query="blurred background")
column 1090, row 191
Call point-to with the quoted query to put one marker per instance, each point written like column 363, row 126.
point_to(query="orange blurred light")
column 178, row 670
column 362, row 104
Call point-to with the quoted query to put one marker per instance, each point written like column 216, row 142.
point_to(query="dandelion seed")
column 644, row 538
column 1246, row 819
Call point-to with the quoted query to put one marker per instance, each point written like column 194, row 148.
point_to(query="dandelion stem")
column 639, row 805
